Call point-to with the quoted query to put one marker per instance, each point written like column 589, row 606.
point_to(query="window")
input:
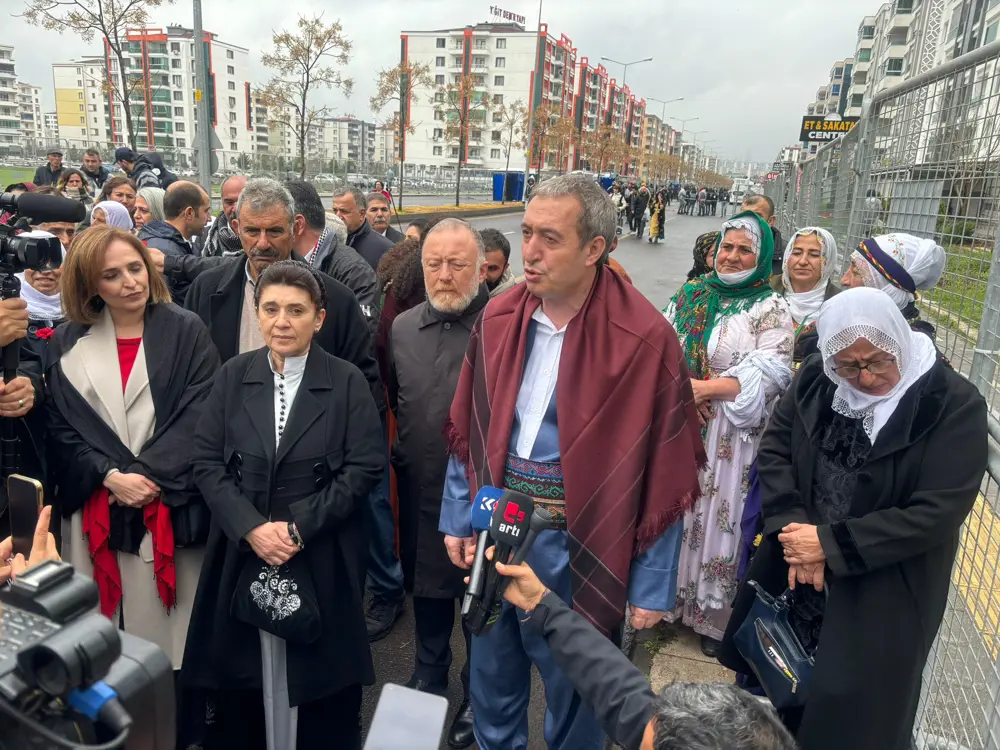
column 477, row 135
column 439, row 80
column 494, row 153
column 234, row 146
column 479, row 62
column 475, row 152
column 480, row 44
column 440, row 43
column 496, row 135
column 838, row 72
column 232, row 86
column 498, row 98
column 230, row 70
column 232, row 132
column 79, row 72
column 181, row 143
column 894, row 66
column 498, row 117
column 81, row 108
column 498, row 80
column 438, row 115
column 232, row 102
column 857, row 100
column 175, row 48
column 904, row 6
column 991, row 33
column 864, row 55
column 501, row 44
column 179, row 127
column 80, row 96
column 500, row 62
column 439, row 97
column 867, row 32
column 229, row 54
column 454, row 151
column 438, row 133
column 232, row 117
column 178, row 111
column 437, row 149
column 177, row 81
column 835, row 89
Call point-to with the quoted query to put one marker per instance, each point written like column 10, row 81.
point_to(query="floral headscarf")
column 877, row 261
column 702, row 301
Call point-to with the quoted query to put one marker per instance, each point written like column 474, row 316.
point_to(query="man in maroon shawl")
column 575, row 391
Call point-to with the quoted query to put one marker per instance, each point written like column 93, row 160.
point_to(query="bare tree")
column 512, row 138
column 301, row 60
column 463, row 104
column 111, row 19
column 543, row 119
column 400, row 84
column 562, row 137
column 601, row 147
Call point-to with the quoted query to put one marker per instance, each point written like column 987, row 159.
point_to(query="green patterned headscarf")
column 702, row 301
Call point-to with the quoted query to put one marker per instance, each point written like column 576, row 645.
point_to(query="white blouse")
column 286, row 386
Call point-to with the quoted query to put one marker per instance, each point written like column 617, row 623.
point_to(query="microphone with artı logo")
column 482, row 514
column 509, row 528
column 541, row 520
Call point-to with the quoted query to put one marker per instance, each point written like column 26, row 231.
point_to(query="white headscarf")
column 923, row 259
column 40, row 306
column 116, row 215
column 805, row 306
column 869, row 314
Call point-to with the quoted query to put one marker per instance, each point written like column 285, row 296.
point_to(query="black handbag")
column 769, row 644
column 278, row 599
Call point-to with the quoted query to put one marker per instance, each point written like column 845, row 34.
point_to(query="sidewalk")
column 675, row 653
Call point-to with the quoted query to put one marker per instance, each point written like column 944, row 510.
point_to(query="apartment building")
column 342, row 139
column 29, row 104
column 51, row 127
column 81, row 102
column 10, row 116
column 386, row 144
column 657, row 136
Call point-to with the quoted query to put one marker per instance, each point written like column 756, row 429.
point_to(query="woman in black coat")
column 866, row 478
column 287, row 455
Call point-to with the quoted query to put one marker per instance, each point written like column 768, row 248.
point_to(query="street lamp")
column 531, row 114
column 663, row 112
column 625, row 66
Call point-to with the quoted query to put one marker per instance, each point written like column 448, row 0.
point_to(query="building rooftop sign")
column 499, row 14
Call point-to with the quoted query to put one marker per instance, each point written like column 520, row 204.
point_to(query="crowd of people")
column 639, row 205
column 235, row 416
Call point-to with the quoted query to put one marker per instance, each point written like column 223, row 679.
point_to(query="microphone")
column 43, row 208
column 482, row 514
column 541, row 520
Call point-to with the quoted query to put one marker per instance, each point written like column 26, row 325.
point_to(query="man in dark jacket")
column 708, row 716
column 221, row 239
column 146, row 170
column 764, row 208
column 187, row 208
column 92, row 169
column 426, row 350
column 350, row 205
column 379, row 217
column 222, row 295
column 49, row 174
column 322, row 249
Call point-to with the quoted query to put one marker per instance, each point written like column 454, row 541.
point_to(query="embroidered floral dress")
column 755, row 347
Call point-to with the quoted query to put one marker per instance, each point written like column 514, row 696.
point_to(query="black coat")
column 370, row 244
column 394, row 235
column 165, row 238
column 343, row 263
column 329, row 459
column 217, row 296
column 888, row 564
column 426, row 352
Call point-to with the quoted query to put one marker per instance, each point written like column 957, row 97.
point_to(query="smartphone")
column 407, row 718
column 25, row 503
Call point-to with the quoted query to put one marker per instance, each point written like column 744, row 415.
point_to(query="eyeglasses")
column 880, row 367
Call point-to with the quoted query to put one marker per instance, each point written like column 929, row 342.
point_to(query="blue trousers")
column 385, row 574
column 501, row 671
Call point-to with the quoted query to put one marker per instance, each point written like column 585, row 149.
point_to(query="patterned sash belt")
column 540, row 480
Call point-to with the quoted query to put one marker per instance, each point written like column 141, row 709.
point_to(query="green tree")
column 301, row 61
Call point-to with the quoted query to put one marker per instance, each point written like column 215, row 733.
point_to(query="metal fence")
column 925, row 159
column 327, row 173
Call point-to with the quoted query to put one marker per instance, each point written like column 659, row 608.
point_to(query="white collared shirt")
column 286, row 386
column 538, row 383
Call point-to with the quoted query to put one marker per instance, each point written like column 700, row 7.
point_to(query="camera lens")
column 79, row 654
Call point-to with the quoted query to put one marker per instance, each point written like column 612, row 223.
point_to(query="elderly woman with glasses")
column 868, row 467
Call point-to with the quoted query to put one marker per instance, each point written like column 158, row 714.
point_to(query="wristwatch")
column 294, row 534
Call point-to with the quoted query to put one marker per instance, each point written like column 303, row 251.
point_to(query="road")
column 441, row 199
column 658, row 271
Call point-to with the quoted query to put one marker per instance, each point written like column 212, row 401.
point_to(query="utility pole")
column 203, row 140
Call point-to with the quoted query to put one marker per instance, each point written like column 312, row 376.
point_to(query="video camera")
column 68, row 674
column 20, row 253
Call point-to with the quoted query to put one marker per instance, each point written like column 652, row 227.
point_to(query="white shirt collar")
column 294, row 366
column 542, row 319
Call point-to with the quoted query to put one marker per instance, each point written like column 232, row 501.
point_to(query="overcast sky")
column 746, row 69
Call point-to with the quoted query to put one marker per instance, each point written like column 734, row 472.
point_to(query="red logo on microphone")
column 513, row 513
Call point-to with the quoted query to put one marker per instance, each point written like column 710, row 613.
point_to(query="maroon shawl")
column 629, row 434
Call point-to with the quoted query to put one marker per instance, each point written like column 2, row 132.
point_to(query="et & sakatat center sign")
column 816, row 130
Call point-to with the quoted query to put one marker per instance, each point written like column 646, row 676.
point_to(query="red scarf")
column 629, row 437
column 155, row 515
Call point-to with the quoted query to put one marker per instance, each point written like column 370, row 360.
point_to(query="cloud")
column 746, row 69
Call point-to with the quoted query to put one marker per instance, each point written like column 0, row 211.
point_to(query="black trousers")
column 435, row 621
column 237, row 721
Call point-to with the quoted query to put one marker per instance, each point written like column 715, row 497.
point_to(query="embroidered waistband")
column 540, row 480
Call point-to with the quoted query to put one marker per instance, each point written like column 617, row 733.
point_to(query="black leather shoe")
column 461, row 734
column 426, row 686
column 381, row 616
column 710, row 647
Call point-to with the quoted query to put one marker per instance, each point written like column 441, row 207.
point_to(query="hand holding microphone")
column 525, row 591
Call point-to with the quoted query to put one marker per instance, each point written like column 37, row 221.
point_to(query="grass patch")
column 10, row 175
column 452, row 208
column 962, row 288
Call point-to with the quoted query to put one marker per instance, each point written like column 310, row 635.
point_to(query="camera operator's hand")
column 157, row 257
column 13, row 320
column 17, row 398
column 270, row 542
column 132, row 490
column 43, row 547
column 525, row 590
